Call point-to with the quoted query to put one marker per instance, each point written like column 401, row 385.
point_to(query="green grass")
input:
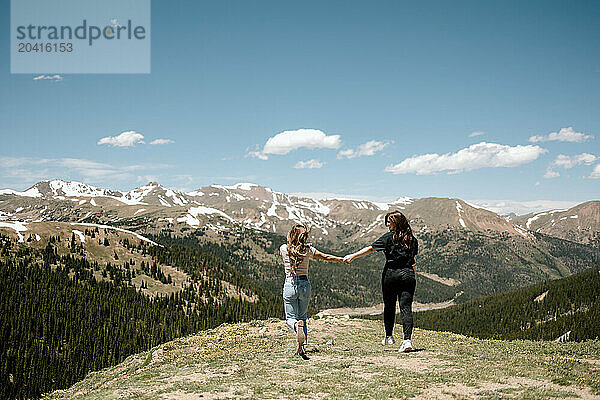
column 256, row 360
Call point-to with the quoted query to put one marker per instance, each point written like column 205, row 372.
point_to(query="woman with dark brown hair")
column 296, row 254
column 398, row 278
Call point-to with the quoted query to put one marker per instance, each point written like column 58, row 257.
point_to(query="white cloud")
column 366, row 149
column 595, row 172
column 162, row 141
column 476, row 156
column 79, row 163
column 26, row 175
column 567, row 162
column 551, row 174
column 48, row 77
column 125, row 139
column 571, row 161
column 10, row 162
column 287, row 141
column 564, row 135
column 309, row 164
column 258, row 154
column 476, row 133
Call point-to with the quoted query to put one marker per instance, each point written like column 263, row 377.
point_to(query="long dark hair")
column 400, row 228
column 296, row 246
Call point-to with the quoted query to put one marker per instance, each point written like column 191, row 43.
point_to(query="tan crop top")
column 302, row 269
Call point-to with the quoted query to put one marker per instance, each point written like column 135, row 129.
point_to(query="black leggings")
column 398, row 284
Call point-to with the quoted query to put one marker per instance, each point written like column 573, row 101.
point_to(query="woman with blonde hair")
column 398, row 278
column 296, row 254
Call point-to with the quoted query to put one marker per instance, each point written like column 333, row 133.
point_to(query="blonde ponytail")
column 297, row 246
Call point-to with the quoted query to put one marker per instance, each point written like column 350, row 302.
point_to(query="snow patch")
column 195, row 211
column 403, row 200
column 190, row 220
column 31, row 192
column 520, row 230
column 80, row 234
column 135, row 196
column 272, row 211
column 381, row 206
column 145, row 239
column 238, row 196
column 530, row 220
column 476, row 206
column 313, row 205
column 18, row 227
column 180, row 201
column 139, row 211
column 243, row 186
column 373, row 224
column 541, row 297
column 460, row 210
column 262, row 220
column 163, row 201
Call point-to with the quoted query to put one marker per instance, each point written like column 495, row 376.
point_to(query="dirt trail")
column 378, row 309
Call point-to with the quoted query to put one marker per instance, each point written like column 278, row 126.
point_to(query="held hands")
column 347, row 259
column 342, row 259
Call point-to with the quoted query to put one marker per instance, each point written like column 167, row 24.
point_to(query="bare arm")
column 362, row 252
column 415, row 265
column 326, row 257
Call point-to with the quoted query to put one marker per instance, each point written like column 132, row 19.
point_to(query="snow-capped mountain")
column 219, row 208
column 152, row 193
column 578, row 224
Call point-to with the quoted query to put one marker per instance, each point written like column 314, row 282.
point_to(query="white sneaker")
column 388, row 340
column 406, row 346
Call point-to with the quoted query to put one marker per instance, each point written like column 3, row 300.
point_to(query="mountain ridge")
column 256, row 207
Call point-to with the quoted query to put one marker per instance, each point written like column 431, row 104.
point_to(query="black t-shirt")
column 396, row 254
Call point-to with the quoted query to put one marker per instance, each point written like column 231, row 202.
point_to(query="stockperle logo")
column 80, row 36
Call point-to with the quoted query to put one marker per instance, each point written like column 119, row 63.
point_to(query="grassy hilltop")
column 255, row 360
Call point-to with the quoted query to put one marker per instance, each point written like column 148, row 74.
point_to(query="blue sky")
column 411, row 78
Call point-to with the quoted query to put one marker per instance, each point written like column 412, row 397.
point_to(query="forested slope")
column 545, row 311
column 60, row 320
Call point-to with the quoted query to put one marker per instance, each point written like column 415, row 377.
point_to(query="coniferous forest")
column 543, row 311
column 59, row 321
